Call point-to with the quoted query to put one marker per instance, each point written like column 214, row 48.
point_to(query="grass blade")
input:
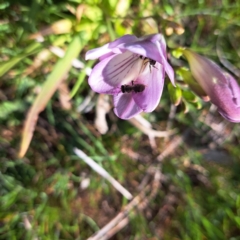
column 49, row 87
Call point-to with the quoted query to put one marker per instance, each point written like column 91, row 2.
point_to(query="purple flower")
column 220, row 86
column 130, row 62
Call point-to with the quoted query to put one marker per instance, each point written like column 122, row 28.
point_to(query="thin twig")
column 171, row 117
column 141, row 201
column 28, row 226
column 102, row 108
column 104, row 233
column 175, row 142
column 144, row 126
column 87, row 103
column 103, row 173
column 148, row 129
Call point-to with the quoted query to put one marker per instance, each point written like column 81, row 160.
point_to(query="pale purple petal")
column 157, row 39
column 124, row 39
column 144, row 48
column 98, row 52
column 150, row 50
column 166, row 66
column 109, row 48
column 234, row 87
column 170, row 72
column 121, row 69
column 106, row 56
column 227, row 98
column 96, row 79
column 114, row 71
column 124, row 106
column 113, row 52
column 153, row 47
column 152, row 37
column 163, row 46
column 154, row 82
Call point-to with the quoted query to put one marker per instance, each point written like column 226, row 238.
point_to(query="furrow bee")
column 137, row 88
column 148, row 60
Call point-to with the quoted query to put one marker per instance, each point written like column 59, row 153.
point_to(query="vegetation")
column 184, row 185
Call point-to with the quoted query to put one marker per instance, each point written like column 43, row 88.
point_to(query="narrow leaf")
column 175, row 94
column 53, row 81
column 6, row 66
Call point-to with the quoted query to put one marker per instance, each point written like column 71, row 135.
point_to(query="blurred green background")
column 50, row 193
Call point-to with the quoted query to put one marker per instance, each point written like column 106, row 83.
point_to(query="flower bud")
column 222, row 89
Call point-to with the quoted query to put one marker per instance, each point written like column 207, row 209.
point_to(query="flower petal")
column 124, row 39
column 163, row 46
column 166, row 66
column 228, row 99
column 121, row 69
column 153, row 47
column 114, row 71
column 96, row 78
column 98, row 52
column 154, row 81
column 109, row 48
column 124, row 106
column 152, row 37
column 107, row 55
column 144, row 48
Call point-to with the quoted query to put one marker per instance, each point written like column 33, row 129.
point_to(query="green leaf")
column 175, row 94
column 50, row 86
column 8, row 107
column 189, row 96
column 187, row 77
column 6, row 66
column 177, row 53
column 81, row 77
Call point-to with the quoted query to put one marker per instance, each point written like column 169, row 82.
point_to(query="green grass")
column 40, row 193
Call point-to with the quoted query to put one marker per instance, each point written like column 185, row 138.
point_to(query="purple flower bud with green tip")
column 129, row 61
column 220, row 86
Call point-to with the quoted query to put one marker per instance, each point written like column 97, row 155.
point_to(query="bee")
column 137, row 88
column 152, row 62
column 148, row 60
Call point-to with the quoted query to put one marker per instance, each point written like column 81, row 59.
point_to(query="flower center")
column 146, row 61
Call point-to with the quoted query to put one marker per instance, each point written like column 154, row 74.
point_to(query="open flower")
column 220, row 86
column 131, row 61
